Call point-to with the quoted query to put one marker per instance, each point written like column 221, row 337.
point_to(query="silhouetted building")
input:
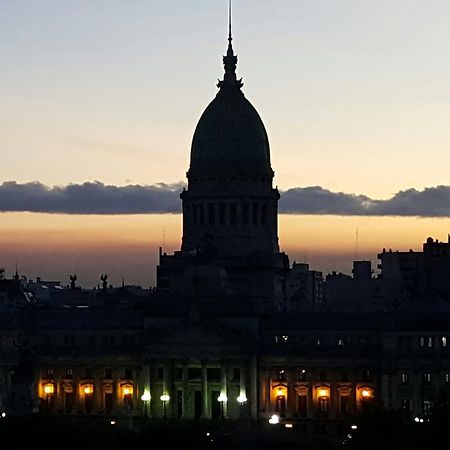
column 231, row 330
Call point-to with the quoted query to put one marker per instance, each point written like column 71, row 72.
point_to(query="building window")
column 255, row 213
column 49, row 373
column 160, row 373
column 324, row 403
column 88, row 373
column 340, row 342
column 263, row 214
column 426, row 407
column 211, row 214
column 128, row 374
column 245, row 210
column 444, row 341
column 344, row 405
column 213, row 374
column 194, row 373
column 222, row 213
column 426, row 378
column 447, row 378
column 202, row 214
column 233, row 213
column 236, row 373
column 178, row 373
column 108, row 373
column 426, row 341
column 405, row 378
column 302, row 405
column 69, row 373
column 281, row 375
column 405, row 405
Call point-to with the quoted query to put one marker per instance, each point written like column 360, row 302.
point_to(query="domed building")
column 230, row 206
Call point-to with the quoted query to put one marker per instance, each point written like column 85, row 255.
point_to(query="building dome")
column 230, row 139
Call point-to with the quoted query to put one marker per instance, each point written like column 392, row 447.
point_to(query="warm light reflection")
column 127, row 389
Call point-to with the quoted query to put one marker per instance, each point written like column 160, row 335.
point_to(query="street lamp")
column 146, row 397
column 222, row 399
column 164, row 398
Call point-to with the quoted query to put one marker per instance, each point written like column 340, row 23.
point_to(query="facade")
column 232, row 330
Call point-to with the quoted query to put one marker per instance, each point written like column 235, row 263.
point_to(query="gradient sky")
column 354, row 95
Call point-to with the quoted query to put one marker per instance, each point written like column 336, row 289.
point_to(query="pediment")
column 195, row 341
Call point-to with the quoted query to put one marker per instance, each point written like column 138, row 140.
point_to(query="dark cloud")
column 98, row 198
column 431, row 202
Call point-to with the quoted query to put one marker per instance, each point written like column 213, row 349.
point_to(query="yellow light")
column 127, row 390
column 323, row 393
column 288, row 425
column 88, row 390
column 49, row 388
column 280, row 392
column 366, row 393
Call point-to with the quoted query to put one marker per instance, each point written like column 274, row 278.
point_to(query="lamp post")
column 222, row 399
column 164, row 398
column 242, row 400
column 146, row 397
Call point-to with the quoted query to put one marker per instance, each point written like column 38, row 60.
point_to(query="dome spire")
column 230, row 61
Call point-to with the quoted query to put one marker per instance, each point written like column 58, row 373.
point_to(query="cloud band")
column 98, row 198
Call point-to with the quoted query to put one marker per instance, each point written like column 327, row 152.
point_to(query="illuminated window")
column 443, row 341
column 108, row 373
column 281, row 374
column 447, row 378
column 340, row 342
column 49, row 373
column 69, row 373
column 405, row 378
column 426, row 378
column 426, row 342
column 426, row 407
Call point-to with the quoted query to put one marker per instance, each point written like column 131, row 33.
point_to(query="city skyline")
column 353, row 97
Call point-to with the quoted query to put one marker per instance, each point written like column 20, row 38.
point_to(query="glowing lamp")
column 165, row 397
column 49, row 389
column 288, row 425
column 146, row 397
column 222, row 398
column 127, row 390
column 274, row 419
column 366, row 393
column 280, row 392
column 322, row 392
column 88, row 390
column 242, row 399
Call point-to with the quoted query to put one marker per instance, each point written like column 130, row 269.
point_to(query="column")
column 154, row 402
column 253, row 387
column 291, row 394
column 223, row 385
column 204, row 391
column 185, row 391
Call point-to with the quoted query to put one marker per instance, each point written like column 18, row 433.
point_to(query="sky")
column 103, row 97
